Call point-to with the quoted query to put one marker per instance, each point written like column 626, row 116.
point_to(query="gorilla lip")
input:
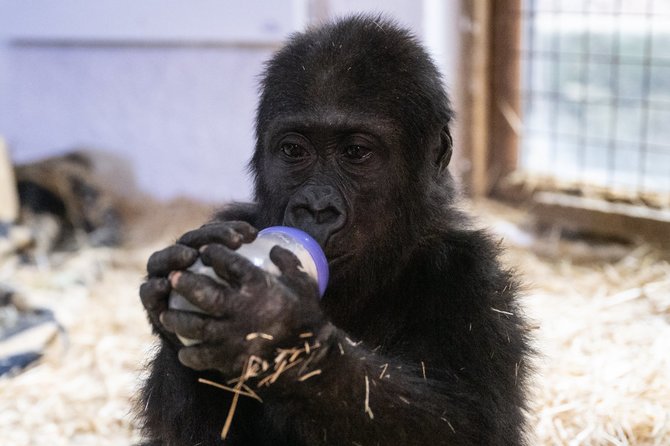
column 339, row 258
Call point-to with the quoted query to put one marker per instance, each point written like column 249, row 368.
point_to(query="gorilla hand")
column 251, row 301
column 155, row 291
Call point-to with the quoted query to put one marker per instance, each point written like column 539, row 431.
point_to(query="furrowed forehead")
column 330, row 119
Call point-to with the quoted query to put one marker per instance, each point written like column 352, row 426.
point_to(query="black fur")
column 424, row 321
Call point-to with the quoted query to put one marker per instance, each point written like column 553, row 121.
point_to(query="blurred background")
column 169, row 85
column 559, row 98
column 124, row 123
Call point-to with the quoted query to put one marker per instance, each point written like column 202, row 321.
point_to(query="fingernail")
column 174, row 277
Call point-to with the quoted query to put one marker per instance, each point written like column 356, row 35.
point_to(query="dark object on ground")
column 15, row 363
column 61, row 198
column 24, row 333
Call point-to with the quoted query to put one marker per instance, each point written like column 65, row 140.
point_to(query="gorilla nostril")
column 328, row 215
column 302, row 213
column 317, row 210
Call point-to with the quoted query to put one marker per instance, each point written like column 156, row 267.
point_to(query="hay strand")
column 246, row 392
column 384, row 367
column 307, row 376
column 367, row 399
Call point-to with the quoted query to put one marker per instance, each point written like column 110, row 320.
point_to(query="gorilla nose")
column 317, row 210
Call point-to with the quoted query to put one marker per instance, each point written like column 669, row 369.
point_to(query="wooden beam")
column 505, row 101
column 601, row 217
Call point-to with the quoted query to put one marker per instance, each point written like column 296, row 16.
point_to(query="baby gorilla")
column 419, row 338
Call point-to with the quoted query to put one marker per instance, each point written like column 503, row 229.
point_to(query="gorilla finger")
column 229, row 358
column 172, row 258
column 195, row 326
column 239, row 225
column 154, row 293
column 202, row 291
column 293, row 274
column 286, row 261
column 229, row 265
column 225, row 357
column 232, row 234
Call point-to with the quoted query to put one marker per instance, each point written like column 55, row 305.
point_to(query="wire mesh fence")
column 596, row 92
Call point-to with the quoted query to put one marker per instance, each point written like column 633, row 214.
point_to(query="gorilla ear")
column 444, row 149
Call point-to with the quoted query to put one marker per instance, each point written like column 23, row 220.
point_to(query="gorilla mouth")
column 337, row 258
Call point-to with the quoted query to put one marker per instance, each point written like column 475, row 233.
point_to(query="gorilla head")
column 352, row 138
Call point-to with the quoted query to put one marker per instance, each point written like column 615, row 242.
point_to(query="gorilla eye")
column 357, row 153
column 293, row 151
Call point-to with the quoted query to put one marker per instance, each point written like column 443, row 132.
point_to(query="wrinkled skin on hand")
column 250, row 301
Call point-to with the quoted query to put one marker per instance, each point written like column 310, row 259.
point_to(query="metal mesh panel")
column 596, row 92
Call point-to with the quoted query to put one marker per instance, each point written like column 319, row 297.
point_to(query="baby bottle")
column 305, row 248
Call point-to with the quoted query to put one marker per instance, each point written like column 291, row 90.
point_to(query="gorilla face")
column 335, row 175
column 350, row 142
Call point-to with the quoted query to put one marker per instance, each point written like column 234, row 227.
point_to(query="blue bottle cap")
column 312, row 248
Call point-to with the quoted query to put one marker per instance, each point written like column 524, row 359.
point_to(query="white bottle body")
column 258, row 252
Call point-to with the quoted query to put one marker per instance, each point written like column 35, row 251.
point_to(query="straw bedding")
column 602, row 317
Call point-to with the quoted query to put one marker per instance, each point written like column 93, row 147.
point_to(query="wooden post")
column 474, row 84
column 9, row 201
column 505, row 99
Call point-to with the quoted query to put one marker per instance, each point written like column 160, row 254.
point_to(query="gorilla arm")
column 345, row 392
column 366, row 398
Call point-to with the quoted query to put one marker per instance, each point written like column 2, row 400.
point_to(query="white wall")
column 168, row 84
